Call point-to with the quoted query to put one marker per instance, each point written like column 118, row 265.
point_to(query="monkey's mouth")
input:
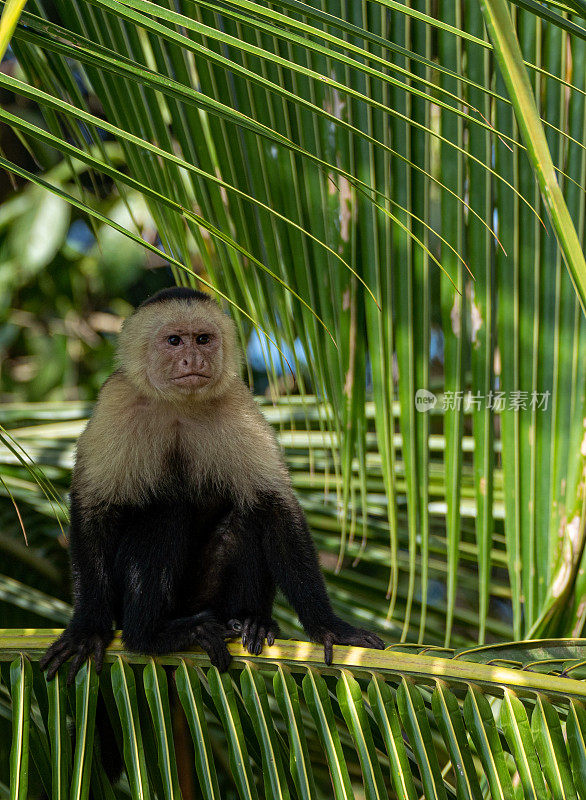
column 192, row 378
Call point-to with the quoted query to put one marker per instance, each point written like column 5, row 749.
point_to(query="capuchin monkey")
column 183, row 519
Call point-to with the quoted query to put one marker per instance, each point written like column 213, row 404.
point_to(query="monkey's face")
column 180, row 350
column 186, row 357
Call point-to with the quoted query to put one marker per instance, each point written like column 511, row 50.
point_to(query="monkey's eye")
column 174, row 340
column 203, row 338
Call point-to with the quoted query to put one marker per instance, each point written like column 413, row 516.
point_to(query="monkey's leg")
column 292, row 561
column 148, row 625
column 201, row 629
column 248, row 591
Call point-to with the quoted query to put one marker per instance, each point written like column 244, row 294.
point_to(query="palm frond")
column 419, row 720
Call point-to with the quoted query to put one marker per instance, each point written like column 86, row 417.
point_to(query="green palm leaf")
column 368, row 685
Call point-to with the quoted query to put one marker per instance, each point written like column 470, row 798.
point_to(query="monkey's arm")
column 293, row 562
column 90, row 630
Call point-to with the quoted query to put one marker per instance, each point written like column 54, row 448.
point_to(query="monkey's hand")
column 254, row 631
column 337, row 631
column 78, row 645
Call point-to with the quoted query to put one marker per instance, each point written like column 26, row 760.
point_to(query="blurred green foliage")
column 62, row 296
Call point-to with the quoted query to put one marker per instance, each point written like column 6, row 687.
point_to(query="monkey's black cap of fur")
column 176, row 293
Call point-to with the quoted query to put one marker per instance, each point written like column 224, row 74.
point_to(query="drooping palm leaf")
column 426, row 720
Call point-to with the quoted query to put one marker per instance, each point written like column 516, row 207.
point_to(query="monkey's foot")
column 340, row 632
column 79, row 646
column 254, row 631
column 210, row 635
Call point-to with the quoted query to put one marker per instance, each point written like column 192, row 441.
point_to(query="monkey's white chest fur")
column 123, row 454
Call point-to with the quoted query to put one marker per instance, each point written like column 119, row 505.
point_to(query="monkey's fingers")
column 375, row 642
column 53, row 664
column 255, row 645
column 272, row 633
column 254, row 633
column 361, row 638
column 265, row 631
column 82, row 654
column 56, row 648
column 245, row 630
column 249, row 631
